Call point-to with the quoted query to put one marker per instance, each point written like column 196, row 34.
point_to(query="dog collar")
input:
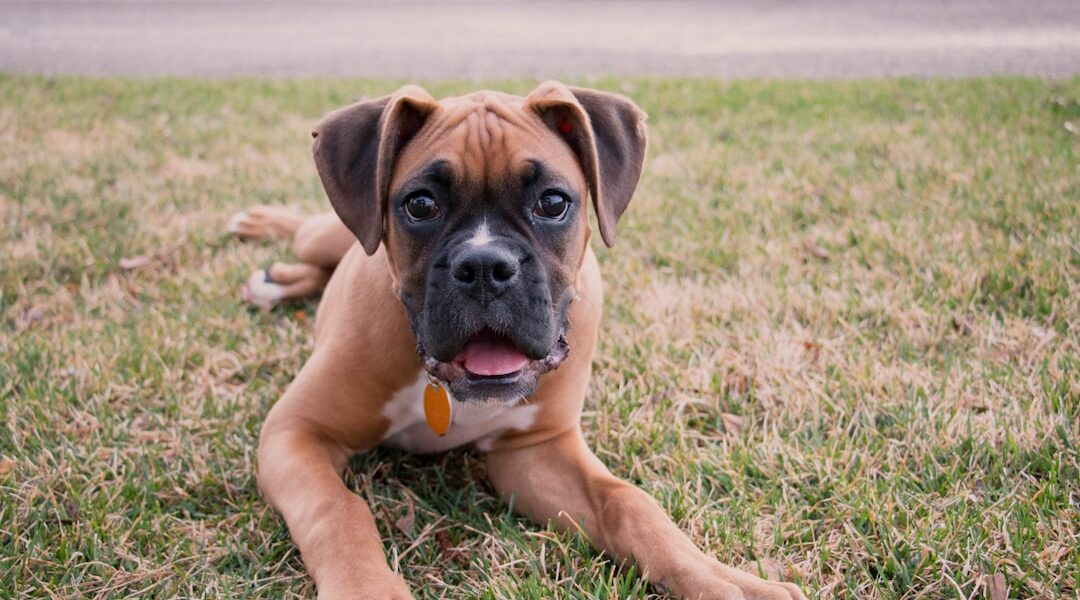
column 438, row 409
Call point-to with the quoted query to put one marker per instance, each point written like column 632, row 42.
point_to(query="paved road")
column 499, row 38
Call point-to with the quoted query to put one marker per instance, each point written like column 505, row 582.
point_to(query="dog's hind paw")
column 264, row 222
column 261, row 291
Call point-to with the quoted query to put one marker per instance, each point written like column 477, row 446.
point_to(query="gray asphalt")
column 501, row 38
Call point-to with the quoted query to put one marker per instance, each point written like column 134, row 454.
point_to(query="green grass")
column 842, row 338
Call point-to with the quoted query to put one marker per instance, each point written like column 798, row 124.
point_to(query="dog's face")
column 485, row 231
column 480, row 201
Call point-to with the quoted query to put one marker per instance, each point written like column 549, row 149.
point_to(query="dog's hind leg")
column 319, row 242
column 322, row 240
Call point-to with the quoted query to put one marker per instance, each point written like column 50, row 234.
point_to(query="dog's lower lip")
column 506, row 379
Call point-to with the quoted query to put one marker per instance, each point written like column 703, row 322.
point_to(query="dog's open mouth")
column 488, row 361
column 488, row 354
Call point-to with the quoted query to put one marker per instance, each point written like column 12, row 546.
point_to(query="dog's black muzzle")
column 493, row 301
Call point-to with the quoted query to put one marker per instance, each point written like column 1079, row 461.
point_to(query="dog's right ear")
column 355, row 149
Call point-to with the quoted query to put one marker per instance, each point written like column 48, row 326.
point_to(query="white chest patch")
column 479, row 423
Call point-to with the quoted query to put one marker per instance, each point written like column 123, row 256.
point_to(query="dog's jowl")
column 463, row 308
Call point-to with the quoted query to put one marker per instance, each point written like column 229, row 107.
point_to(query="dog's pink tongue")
column 491, row 357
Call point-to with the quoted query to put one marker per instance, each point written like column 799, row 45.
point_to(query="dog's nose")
column 485, row 272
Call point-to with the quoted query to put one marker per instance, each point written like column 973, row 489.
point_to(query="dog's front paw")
column 714, row 581
column 388, row 586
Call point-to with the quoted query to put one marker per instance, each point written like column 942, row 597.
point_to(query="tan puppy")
column 473, row 288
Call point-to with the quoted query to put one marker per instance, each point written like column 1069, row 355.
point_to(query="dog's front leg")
column 300, row 465
column 561, row 480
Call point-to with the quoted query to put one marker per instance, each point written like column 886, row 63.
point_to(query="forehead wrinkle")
column 510, row 113
column 473, row 147
column 486, row 138
column 478, row 133
column 485, row 141
column 497, row 146
column 441, row 126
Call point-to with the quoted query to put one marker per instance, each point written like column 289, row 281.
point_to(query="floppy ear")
column 607, row 133
column 355, row 148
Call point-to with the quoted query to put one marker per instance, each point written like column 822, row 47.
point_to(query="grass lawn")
column 842, row 339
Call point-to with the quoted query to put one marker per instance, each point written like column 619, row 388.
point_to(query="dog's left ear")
column 355, row 149
column 607, row 133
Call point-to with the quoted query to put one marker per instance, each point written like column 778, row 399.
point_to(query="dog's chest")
column 477, row 423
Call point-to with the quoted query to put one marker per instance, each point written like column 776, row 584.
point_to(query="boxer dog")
column 467, row 314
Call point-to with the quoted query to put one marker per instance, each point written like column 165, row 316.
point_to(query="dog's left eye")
column 421, row 207
column 552, row 205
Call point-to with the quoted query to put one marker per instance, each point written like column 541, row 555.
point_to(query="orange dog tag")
column 437, row 409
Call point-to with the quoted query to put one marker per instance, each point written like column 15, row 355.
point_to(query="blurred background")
column 501, row 38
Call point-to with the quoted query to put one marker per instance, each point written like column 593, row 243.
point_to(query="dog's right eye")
column 421, row 207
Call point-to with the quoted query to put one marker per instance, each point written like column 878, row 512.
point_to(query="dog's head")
column 481, row 202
